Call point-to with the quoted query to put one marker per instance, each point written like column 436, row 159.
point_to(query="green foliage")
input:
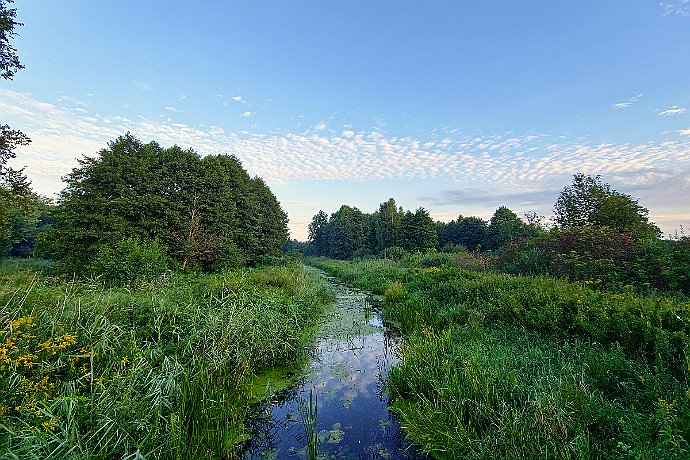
column 10, row 139
column 22, row 216
column 130, row 261
column 525, row 260
column 505, row 226
column 139, row 372
column 417, row 231
column 498, row 366
column 589, row 252
column 318, row 228
column 9, row 61
column 469, row 232
column 588, row 202
column 394, row 253
column 346, row 233
column 194, row 207
column 386, row 223
column 229, row 257
column 349, row 233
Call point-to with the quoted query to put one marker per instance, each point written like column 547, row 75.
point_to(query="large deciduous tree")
column 347, row 232
column 9, row 64
column 196, row 208
column 385, row 225
column 588, row 202
column 318, row 236
column 469, row 232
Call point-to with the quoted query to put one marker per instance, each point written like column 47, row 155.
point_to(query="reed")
column 506, row 367
column 155, row 371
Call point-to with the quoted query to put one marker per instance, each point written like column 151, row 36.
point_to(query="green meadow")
column 523, row 367
column 162, row 369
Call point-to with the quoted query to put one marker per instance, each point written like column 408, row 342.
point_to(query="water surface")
column 345, row 378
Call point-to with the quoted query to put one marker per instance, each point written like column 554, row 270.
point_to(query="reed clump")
column 151, row 371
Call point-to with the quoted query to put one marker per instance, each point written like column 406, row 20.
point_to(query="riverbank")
column 340, row 398
column 156, row 370
column 505, row 367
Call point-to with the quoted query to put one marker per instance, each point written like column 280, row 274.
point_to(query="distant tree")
column 504, row 227
column 318, row 233
column 417, row 231
column 588, row 202
column 22, row 216
column 347, row 232
column 469, row 232
column 386, row 222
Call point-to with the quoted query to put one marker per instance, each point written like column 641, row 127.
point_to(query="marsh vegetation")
column 162, row 369
column 503, row 366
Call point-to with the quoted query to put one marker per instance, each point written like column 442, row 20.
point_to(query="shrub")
column 130, row 261
column 532, row 261
column 229, row 257
column 476, row 261
column 394, row 253
column 433, row 259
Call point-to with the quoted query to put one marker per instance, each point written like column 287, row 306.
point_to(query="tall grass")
column 498, row 366
column 156, row 371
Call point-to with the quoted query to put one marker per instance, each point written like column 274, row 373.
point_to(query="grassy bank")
column 159, row 370
column 497, row 366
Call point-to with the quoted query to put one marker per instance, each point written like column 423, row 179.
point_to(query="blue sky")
column 458, row 107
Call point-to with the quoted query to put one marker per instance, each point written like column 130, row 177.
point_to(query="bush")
column 130, row 261
column 229, row 257
column 584, row 253
column 476, row 261
column 433, row 259
column 532, row 261
column 394, row 253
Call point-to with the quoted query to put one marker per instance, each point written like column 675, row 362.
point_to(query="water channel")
column 345, row 378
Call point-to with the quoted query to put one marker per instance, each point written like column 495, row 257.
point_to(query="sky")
column 457, row 107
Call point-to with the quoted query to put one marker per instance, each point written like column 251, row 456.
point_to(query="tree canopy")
column 588, row 202
column 197, row 208
column 9, row 61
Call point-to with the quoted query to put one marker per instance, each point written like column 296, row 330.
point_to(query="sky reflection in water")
column 352, row 358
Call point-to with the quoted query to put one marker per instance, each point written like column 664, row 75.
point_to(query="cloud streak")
column 680, row 8
column 629, row 102
column 675, row 110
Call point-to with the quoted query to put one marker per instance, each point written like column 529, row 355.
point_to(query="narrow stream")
column 345, row 378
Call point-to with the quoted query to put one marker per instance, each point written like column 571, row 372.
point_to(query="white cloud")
column 172, row 109
column 247, row 114
column 675, row 110
column 629, row 102
column 681, row 8
column 500, row 163
column 237, row 98
column 320, row 127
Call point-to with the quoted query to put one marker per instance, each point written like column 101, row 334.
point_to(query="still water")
column 345, row 380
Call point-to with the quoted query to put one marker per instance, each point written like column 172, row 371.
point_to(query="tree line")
column 135, row 197
column 598, row 235
column 350, row 233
